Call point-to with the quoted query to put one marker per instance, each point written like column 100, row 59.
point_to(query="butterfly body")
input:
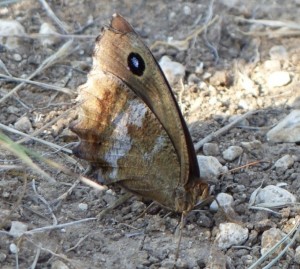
column 130, row 125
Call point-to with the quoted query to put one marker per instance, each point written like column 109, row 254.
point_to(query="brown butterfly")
column 131, row 127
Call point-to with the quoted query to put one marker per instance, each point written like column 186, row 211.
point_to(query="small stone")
column 278, row 53
column 17, row 228
column 8, row 28
column 232, row 153
column 199, row 68
column 172, row 70
column 57, row 264
column 211, row 149
column 50, row 33
column 17, row 57
column 13, row 110
column 278, row 79
column 23, row 125
column 287, row 130
column 297, row 255
column 187, row 10
column 284, row 162
column 272, row 65
column 219, row 78
column 83, row 206
column 206, row 75
column 243, row 122
column 272, row 195
column 250, row 146
column 2, row 257
column 193, row 79
column 13, row 248
column 269, row 239
column 210, row 166
column 225, row 200
column 231, row 234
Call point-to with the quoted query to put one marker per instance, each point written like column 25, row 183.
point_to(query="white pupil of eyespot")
column 135, row 62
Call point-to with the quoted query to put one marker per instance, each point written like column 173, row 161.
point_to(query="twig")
column 223, row 130
column 58, row 226
column 12, row 130
column 37, row 255
column 40, row 197
column 51, row 14
column 67, row 193
column 79, row 242
column 40, row 84
column 63, row 51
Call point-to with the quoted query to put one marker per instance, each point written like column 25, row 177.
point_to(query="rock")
column 287, row 130
column 17, row 228
column 250, row 146
column 23, row 125
column 225, row 200
column 297, row 255
column 50, row 33
column 231, row 234
column 2, row 257
column 199, row 68
column 187, row 10
column 13, row 248
column 284, row 162
column 83, row 206
column 57, row 264
column 230, row 3
column 272, row 65
column 278, row 53
column 10, row 27
column 219, row 78
column 17, row 57
column 243, row 122
column 272, row 196
column 210, row 166
column 172, row 70
column 211, row 149
column 269, row 239
column 278, row 79
column 232, row 153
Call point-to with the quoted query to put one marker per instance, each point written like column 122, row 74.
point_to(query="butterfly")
column 130, row 126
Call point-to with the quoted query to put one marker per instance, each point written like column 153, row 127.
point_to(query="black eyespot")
column 136, row 64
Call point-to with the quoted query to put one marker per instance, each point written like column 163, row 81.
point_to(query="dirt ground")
column 215, row 64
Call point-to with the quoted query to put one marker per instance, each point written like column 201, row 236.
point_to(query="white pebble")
column 13, row 248
column 17, row 57
column 17, row 228
column 287, row 130
column 173, row 70
column 10, row 27
column 50, row 37
column 285, row 162
column 231, row 234
column 278, row 79
column 278, row 53
column 210, row 166
column 232, row 153
column 83, row 206
column 224, row 199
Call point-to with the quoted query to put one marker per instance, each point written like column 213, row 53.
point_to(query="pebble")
column 287, row 130
column 2, row 257
column 278, row 53
column 232, row 153
column 272, row 195
column 297, row 255
column 231, row 234
column 219, row 78
column 187, row 10
column 272, row 65
column 199, row 68
column 11, row 27
column 225, row 200
column 210, row 166
column 250, row 146
column 49, row 31
column 13, row 248
column 57, row 264
column 13, row 110
column 278, row 79
column 211, row 149
column 285, row 162
column 83, row 206
column 269, row 239
column 17, row 228
column 243, row 122
column 23, row 124
column 17, row 57
column 172, row 70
